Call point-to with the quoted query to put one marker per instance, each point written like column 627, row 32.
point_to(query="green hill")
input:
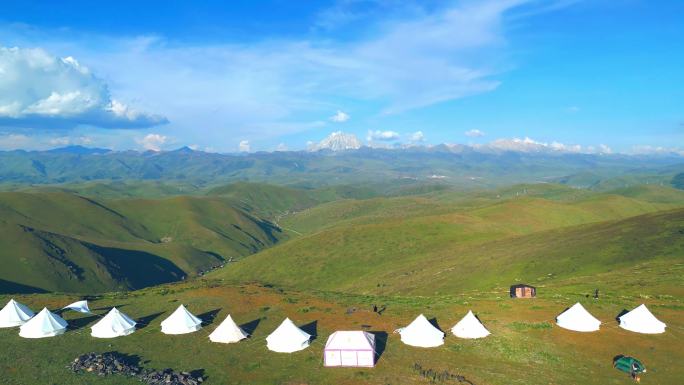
column 441, row 253
column 65, row 242
column 274, row 201
column 403, row 245
column 533, row 206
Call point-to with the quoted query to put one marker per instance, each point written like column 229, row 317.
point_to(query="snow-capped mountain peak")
column 337, row 141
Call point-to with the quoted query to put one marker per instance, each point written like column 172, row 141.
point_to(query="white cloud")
column 474, row 133
column 656, row 150
column 244, row 146
column 41, row 91
column 383, row 136
column 15, row 141
column 393, row 62
column 414, row 58
column 281, row 147
column 339, row 117
column 63, row 141
column 604, row 149
column 531, row 145
column 153, row 142
column 417, row 136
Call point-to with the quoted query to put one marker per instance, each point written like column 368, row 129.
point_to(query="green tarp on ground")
column 629, row 365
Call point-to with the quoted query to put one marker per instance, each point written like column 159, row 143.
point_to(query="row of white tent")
column 344, row 348
column 639, row 320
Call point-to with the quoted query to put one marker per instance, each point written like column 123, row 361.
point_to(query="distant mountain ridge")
column 456, row 165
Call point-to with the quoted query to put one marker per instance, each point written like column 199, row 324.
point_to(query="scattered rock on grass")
column 115, row 363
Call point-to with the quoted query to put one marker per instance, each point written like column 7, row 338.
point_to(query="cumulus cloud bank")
column 531, row 145
column 40, row 91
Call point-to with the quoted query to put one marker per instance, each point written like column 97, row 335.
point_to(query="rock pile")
column 168, row 376
column 104, row 364
column 116, row 363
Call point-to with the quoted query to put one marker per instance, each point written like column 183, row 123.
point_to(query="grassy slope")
column 440, row 255
column 65, row 242
column 524, row 347
column 401, row 244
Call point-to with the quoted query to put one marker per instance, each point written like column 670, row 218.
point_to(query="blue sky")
column 225, row 76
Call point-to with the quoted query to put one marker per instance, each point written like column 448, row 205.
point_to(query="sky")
column 573, row 75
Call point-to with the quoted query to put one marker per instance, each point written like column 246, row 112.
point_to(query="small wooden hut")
column 523, row 291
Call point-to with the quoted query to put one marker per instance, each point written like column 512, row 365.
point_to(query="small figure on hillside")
column 635, row 373
column 596, row 294
column 375, row 308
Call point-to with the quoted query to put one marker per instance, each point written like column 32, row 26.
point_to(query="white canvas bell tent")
column 14, row 314
column 470, row 327
column 578, row 319
column 641, row 320
column 114, row 324
column 181, row 322
column 350, row 348
column 44, row 324
column 228, row 332
column 421, row 333
column 288, row 338
column 79, row 306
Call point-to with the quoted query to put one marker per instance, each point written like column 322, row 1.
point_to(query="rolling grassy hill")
column 423, row 245
column 66, row 242
column 440, row 253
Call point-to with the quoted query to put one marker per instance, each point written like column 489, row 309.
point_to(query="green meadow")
column 325, row 257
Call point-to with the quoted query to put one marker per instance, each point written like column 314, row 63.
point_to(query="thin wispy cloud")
column 417, row 137
column 273, row 87
column 474, row 133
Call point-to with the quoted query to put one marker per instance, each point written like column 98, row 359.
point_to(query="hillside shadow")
column 434, row 323
column 623, row 312
column 8, row 287
column 137, row 268
column 209, row 317
column 79, row 323
column 380, row 344
column 311, row 328
column 108, row 308
column 144, row 322
column 250, row 326
column 215, row 255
